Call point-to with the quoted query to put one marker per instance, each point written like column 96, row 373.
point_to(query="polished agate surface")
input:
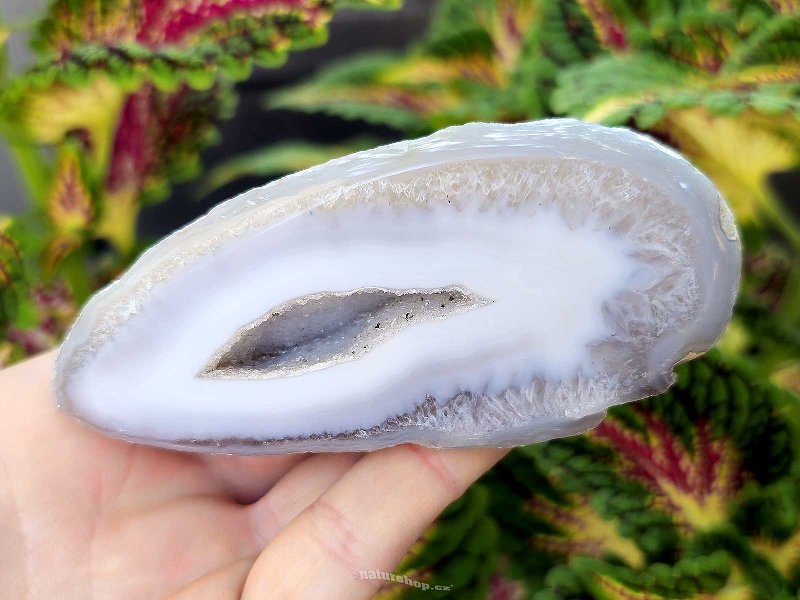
column 488, row 285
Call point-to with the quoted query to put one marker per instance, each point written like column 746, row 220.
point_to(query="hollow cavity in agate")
column 489, row 285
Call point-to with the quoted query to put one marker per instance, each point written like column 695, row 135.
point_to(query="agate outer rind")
column 717, row 260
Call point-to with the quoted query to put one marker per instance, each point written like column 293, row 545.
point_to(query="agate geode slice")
column 488, row 285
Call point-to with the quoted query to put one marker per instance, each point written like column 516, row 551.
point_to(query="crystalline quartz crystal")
column 488, row 285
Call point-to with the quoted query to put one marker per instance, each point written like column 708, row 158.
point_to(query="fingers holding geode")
column 225, row 583
column 365, row 521
column 294, row 493
column 248, row 478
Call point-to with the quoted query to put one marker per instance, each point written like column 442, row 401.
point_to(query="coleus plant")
column 122, row 98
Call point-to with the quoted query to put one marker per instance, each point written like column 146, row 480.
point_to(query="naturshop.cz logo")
column 383, row 575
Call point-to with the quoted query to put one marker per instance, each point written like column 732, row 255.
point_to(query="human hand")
column 86, row 516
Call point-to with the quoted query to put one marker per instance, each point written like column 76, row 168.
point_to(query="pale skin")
column 86, row 516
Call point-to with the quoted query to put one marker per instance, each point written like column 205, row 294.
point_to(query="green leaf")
column 649, row 115
column 770, row 52
column 583, row 88
column 769, row 102
column 724, row 103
